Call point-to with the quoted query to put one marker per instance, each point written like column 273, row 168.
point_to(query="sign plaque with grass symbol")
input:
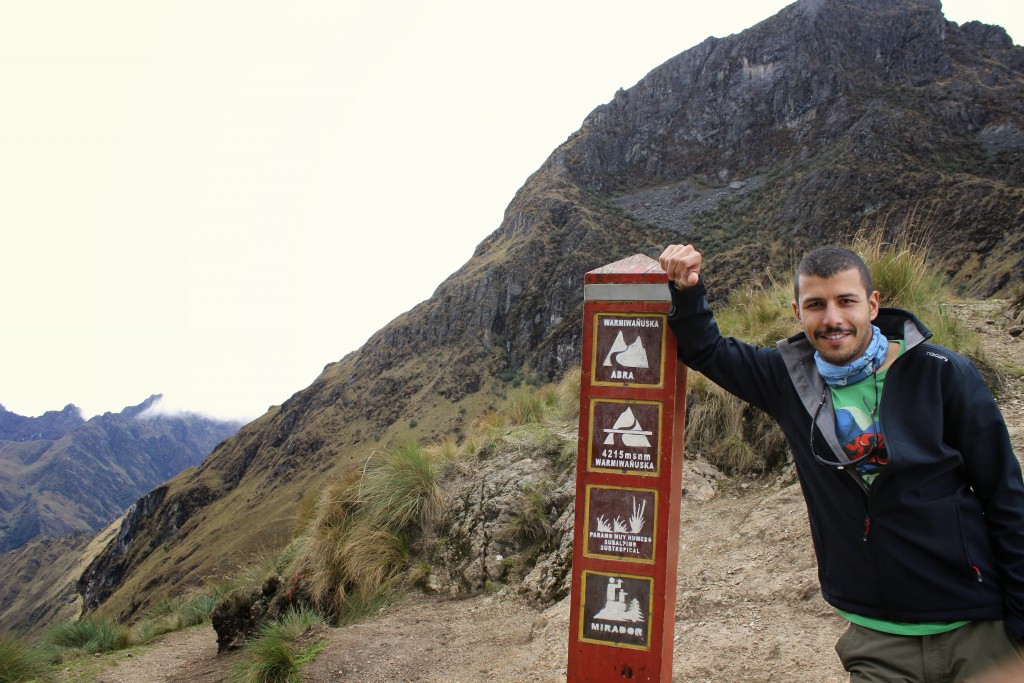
column 629, row 478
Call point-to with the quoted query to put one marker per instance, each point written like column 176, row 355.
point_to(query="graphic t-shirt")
column 856, row 407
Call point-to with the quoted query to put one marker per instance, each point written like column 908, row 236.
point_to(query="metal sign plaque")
column 628, row 349
column 616, row 609
column 620, row 523
column 625, row 436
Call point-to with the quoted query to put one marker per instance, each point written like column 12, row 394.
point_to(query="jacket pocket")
column 972, row 571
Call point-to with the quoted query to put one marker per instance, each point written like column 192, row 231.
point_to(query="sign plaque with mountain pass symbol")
column 629, row 478
column 625, row 436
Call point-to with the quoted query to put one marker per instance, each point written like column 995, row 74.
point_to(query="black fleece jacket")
column 939, row 536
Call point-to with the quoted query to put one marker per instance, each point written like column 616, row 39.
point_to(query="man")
column 913, row 492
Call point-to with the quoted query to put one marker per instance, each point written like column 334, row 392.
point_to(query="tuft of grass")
column 759, row 314
column 274, row 655
column 489, row 426
column 445, row 450
column 418, row 573
column 370, row 558
column 535, row 439
column 566, row 457
column 362, row 605
column 568, row 404
column 306, row 656
column 530, row 523
column 19, row 661
column 951, row 332
column 91, row 635
column 1014, row 308
column 524, row 406
column 293, row 625
column 195, row 607
column 359, row 539
column 261, row 565
column 267, row 659
column 731, row 434
column 400, row 489
column 305, row 512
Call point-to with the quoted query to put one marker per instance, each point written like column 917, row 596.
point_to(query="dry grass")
column 19, row 660
column 760, row 314
column 568, row 406
column 359, row 539
column 444, row 451
column 730, row 433
column 1015, row 305
column 902, row 269
column 524, row 405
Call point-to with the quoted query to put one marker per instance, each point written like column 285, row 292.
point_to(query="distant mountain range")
column 51, row 425
column 60, row 473
column 829, row 117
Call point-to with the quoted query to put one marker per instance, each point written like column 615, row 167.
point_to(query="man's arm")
column 751, row 373
column 976, row 427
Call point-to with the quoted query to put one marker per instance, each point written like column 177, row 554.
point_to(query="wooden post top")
column 599, row 284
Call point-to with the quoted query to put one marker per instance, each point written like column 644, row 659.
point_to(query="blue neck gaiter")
column 859, row 368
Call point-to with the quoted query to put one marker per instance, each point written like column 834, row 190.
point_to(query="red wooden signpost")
column 629, row 478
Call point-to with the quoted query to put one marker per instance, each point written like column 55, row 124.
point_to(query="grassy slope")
column 243, row 500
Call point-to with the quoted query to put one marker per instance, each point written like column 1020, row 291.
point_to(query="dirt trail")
column 737, row 620
column 189, row 655
column 749, row 609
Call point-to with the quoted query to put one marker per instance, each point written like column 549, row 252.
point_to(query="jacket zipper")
column 870, row 491
column 885, row 469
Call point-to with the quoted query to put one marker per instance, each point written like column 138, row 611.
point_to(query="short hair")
column 826, row 262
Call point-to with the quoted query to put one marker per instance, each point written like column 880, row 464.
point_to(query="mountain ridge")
column 52, row 424
column 755, row 146
column 60, row 473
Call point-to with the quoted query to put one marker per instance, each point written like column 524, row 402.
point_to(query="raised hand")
column 682, row 263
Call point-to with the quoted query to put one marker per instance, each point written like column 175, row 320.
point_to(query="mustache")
column 834, row 330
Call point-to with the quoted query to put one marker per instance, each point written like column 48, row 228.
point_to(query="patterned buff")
column 858, row 369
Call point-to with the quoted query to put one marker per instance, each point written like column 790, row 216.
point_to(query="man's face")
column 835, row 314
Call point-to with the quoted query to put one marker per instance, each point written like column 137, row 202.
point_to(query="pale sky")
column 212, row 199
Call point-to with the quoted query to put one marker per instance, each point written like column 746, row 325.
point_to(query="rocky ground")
column 748, row 607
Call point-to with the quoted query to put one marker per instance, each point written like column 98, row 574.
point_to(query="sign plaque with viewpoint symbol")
column 629, row 478
column 616, row 610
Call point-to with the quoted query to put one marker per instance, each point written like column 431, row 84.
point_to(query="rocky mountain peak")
column 136, row 411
